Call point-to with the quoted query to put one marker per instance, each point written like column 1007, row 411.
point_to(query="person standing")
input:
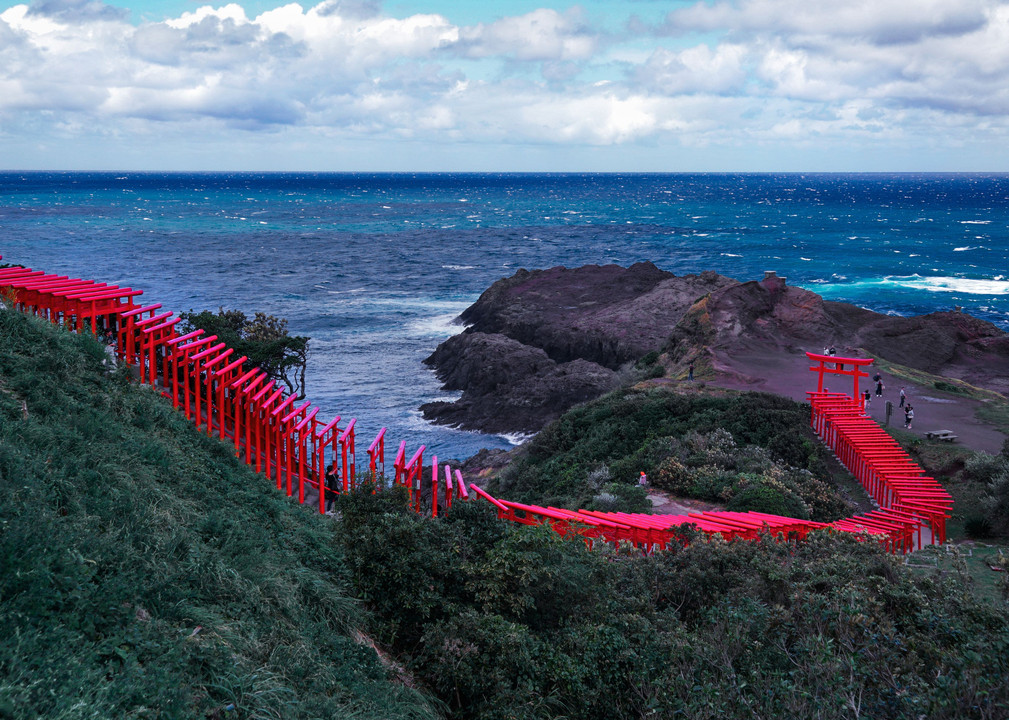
column 643, row 479
column 879, row 388
column 331, row 481
column 908, row 416
column 690, row 372
column 902, row 396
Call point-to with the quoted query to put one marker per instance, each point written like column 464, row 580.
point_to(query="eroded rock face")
column 758, row 318
column 508, row 386
column 606, row 314
column 542, row 341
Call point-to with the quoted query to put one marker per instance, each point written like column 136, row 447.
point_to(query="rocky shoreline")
column 541, row 341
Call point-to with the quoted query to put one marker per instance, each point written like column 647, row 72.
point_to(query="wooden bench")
column 944, row 435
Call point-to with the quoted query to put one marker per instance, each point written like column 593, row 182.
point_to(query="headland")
column 541, row 341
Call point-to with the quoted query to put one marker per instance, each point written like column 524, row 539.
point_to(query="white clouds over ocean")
column 918, row 84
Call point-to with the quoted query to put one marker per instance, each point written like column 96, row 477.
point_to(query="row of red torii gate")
column 315, row 459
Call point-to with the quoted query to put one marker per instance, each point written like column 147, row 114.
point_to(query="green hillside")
column 144, row 573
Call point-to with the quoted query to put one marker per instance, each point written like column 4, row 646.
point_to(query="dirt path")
column 665, row 504
column 787, row 373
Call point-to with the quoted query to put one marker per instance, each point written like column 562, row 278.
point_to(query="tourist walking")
column 879, row 388
column 867, row 397
column 902, row 396
column 908, row 416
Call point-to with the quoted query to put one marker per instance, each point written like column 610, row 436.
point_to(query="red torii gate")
column 839, row 369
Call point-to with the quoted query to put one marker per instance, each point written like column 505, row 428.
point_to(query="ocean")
column 375, row 267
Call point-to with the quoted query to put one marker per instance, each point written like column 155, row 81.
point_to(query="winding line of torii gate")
column 289, row 444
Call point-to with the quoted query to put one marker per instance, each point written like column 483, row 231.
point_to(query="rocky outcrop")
column 542, row 341
column 609, row 315
column 737, row 323
column 508, row 386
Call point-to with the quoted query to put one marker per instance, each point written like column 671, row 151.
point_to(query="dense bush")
column 145, row 573
column 992, row 515
column 752, row 449
column 517, row 622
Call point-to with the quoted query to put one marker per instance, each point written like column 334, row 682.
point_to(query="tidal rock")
column 509, row 387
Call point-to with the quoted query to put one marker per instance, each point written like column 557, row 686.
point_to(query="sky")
column 523, row 85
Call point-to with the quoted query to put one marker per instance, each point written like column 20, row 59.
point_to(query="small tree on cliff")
column 264, row 339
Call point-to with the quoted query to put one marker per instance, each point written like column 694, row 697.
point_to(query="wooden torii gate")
column 841, row 367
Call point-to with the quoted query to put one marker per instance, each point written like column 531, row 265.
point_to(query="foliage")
column 146, row 573
column 755, row 446
column 263, row 339
column 521, row 623
column 977, row 482
column 993, row 471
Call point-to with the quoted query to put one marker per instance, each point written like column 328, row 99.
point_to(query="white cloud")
column 748, row 71
column 539, row 35
column 695, row 69
column 879, row 21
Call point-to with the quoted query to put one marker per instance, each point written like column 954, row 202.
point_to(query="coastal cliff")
column 541, row 341
column 544, row 340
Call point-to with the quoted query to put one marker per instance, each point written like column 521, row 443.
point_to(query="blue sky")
column 442, row 85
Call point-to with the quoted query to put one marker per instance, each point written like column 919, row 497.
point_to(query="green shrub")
column 759, row 496
column 542, row 627
column 692, row 445
column 648, row 359
column 948, row 387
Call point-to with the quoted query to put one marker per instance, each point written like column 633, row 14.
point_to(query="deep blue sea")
column 374, row 267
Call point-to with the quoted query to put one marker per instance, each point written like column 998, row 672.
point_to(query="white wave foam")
column 435, row 325
column 517, row 438
column 457, row 267
column 969, row 286
column 730, row 255
column 964, row 248
column 975, row 222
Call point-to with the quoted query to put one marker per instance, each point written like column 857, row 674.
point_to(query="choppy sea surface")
column 375, row 267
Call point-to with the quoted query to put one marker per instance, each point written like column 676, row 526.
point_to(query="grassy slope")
column 145, row 573
column 994, row 409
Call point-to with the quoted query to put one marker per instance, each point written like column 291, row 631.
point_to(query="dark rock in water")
column 542, row 341
column 486, row 463
column 508, row 386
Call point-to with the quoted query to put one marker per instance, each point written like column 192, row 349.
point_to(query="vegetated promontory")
column 540, row 342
